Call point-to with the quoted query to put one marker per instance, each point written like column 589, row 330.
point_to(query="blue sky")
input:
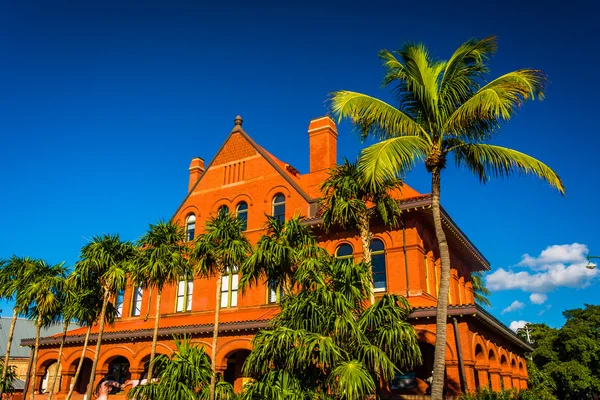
column 103, row 104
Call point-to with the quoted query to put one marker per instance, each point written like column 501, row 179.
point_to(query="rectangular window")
column 138, row 294
column 378, row 266
column 119, row 303
column 185, row 290
column 229, row 289
column 274, row 293
column 427, row 275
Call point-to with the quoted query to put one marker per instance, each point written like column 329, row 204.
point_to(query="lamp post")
column 590, row 264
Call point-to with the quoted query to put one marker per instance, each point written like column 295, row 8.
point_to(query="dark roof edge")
column 477, row 311
column 464, row 237
column 148, row 333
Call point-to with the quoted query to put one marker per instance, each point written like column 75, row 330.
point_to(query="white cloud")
column 556, row 266
column 515, row 325
column 516, row 305
column 538, row 298
column 557, row 254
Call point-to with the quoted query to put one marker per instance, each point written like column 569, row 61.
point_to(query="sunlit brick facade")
column 249, row 180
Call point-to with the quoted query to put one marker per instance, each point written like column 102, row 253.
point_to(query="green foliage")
column 183, row 376
column 44, row 290
column 325, row 342
column 163, row 256
column 444, row 106
column 480, row 291
column 488, row 394
column 11, row 376
column 566, row 361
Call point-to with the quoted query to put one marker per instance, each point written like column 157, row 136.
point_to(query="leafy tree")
column 480, row 291
column 9, row 377
column 106, row 260
column 44, row 289
column 13, row 278
column 444, row 107
column 350, row 204
column 163, row 260
column 186, row 375
column 325, row 343
column 221, row 248
column 566, row 361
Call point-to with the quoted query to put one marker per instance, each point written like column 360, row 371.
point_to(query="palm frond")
column 495, row 102
column 373, row 117
column 480, row 291
column 486, row 160
column 390, row 158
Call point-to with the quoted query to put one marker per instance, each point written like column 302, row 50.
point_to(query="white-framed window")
column 190, row 227
column 223, row 210
column 185, row 290
column 279, row 207
column 275, row 293
column 229, row 288
column 136, row 306
column 344, row 252
column 119, row 303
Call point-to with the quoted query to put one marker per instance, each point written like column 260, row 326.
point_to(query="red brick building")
column 250, row 181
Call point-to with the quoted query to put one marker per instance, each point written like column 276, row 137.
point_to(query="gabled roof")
column 23, row 329
column 278, row 165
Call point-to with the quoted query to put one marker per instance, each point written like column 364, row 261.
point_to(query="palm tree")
column 163, row 260
column 349, row 204
column 107, row 260
column 87, row 310
column 184, row 375
column 443, row 107
column 324, row 342
column 9, row 377
column 221, row 248
column 278, row 253
column 44, row 288
column 13, row 273
column 480, row 291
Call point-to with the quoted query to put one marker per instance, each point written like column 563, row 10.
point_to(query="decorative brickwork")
column 236, row 148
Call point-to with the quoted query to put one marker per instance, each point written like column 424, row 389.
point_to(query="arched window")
column 223, row 209
column 279, row 207
column 190, row 227
column 344, row 252
column 119, row 369
column 242, row 214
column 378, row 265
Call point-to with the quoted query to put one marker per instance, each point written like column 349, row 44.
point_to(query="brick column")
column 506, row 378
column 483, row 377
column 516, row 384
column 495, row 379
column 470, row 375
column 523, row 383
column 65, row 384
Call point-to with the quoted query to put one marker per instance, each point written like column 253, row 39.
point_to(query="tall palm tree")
column 221, row 248
column 106, row 259
column 13, row 274
column 87, row 310
column 480, row 291
column 278, row 253
column 444, row 107
column 349, row 204
column 163, row 260
column 45, row 290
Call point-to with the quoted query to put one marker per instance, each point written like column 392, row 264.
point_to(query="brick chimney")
column 196, row 171
column 322, row 139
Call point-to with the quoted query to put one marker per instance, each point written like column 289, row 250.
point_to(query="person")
column 105, row 386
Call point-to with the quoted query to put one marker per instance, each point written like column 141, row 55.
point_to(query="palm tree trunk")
column 11, row 333
column 85, row 345
column 60, row 353
column 439, row 358
column 155, row 335
column 365, row 238
column 148, row 308
column 90, row 388
column 213, row 359
column 38, row 329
